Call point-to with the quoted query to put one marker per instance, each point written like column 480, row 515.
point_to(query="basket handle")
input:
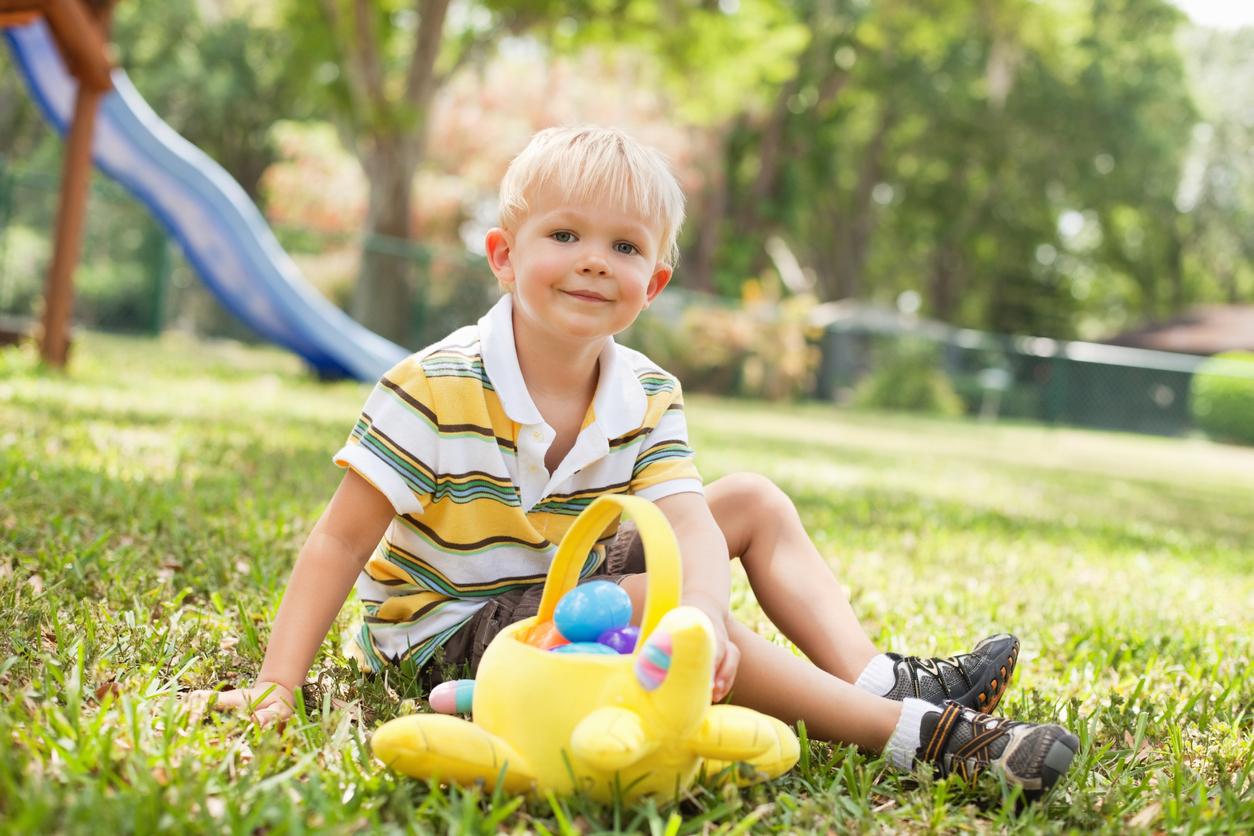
column 661, row 553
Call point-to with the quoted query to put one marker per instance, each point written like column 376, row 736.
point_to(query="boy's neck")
column 557, row 373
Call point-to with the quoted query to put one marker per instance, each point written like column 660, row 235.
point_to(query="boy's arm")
column 330, row 561
column 707, row 575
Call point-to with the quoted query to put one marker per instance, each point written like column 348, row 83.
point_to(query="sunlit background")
column 954, row 192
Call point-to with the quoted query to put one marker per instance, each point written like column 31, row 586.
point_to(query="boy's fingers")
column 272, row 716
column 204, row 699
column 725, row 671
column 226, row 700
column 222, row 700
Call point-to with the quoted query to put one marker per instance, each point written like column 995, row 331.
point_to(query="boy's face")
column 580, row 271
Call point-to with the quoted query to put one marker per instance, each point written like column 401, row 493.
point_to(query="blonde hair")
column 587, row 163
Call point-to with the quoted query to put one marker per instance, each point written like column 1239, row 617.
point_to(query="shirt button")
column 533, row 467
column 538, row 436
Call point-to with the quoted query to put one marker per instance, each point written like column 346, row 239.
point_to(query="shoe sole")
column 993, row 679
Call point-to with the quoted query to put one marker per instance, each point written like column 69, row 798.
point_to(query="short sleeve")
column 393, row 445
column 665, row 465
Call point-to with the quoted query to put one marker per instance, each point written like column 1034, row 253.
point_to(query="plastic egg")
column 585, row 647
column 590, row 609
column 544, row 636
column 452, row 697
column 622, row 639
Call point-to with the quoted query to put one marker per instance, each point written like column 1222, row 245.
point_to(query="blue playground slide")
column 222, row 233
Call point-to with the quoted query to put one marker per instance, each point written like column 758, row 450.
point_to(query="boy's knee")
column 748, row 494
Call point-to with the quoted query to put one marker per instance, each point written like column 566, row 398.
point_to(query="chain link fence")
column 1077, row 384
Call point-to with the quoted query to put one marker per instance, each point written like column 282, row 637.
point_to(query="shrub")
column 907, row 377
column 1222, row 405
column 755, row 351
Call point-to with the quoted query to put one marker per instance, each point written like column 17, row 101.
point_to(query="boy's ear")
column 657, row 283
column 498, row 244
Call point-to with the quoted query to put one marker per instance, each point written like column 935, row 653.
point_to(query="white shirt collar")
column 620, row 402
column 500, row 361
column 619, row 406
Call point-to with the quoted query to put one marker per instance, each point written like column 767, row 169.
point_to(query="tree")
column 1217, row 193
column 936, row 146
column 379, row 64
column 221, row 80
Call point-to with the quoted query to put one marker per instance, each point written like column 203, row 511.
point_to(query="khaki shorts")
column 464, row 649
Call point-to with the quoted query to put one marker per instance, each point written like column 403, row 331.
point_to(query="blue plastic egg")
column 590, row 609
column 584, row 647
column 622, row 639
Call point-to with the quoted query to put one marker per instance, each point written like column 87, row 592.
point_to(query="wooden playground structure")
column 81, row 29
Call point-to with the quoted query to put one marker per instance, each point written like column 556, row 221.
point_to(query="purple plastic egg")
column 584, row 647
column 590, row 609
column 622, row 639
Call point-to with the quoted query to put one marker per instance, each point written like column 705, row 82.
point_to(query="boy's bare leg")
column 773, row 680
column 792, row 582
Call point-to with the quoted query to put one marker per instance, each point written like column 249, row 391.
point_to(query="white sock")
column 879, row 677
column 906, row 740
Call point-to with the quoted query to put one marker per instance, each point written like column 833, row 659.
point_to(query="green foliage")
column 23, row 254
column 907, row 377
column 220, row 79
column 1224, row 405
column 152, row 501
column 715, row 64
column 22, row 131
column 1217, row 191
column 937, row 151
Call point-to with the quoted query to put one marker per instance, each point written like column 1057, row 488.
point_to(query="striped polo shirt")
column 452, row 438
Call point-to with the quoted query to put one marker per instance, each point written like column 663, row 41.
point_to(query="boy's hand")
column 726, row 660
column 328, row 566
column 707, row 577
column 726, row 654
column 265, row 702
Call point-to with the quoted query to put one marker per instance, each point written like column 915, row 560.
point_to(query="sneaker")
column 961, row 741
column 974, row 680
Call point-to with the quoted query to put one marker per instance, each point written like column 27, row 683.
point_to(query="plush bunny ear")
column 674, row 667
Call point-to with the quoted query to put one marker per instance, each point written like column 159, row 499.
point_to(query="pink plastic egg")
column 452, row 697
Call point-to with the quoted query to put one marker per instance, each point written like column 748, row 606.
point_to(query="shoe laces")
column 932, row 667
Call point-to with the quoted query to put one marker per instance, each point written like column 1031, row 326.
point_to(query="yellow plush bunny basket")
column 565, row 721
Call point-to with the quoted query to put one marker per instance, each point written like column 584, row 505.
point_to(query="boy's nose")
column 594, row 265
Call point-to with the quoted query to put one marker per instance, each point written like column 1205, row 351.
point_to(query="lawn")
column 153, row 500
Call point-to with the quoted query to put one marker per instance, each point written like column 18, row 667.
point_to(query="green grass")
column 152, row 502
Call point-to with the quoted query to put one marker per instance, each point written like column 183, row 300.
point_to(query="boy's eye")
column 563, row 236
column 625, row 248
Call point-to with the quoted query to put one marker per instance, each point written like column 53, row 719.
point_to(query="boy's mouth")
column 587, row 295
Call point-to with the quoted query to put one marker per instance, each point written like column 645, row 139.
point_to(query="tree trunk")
column 944, row 281
column 846, row 265
column 713, row 210
column 391, row 132
column 1228, row 278
column 383, row 297
column 1175, row 265
column 853, row 228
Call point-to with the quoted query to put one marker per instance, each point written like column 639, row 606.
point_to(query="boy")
column 472, row 457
